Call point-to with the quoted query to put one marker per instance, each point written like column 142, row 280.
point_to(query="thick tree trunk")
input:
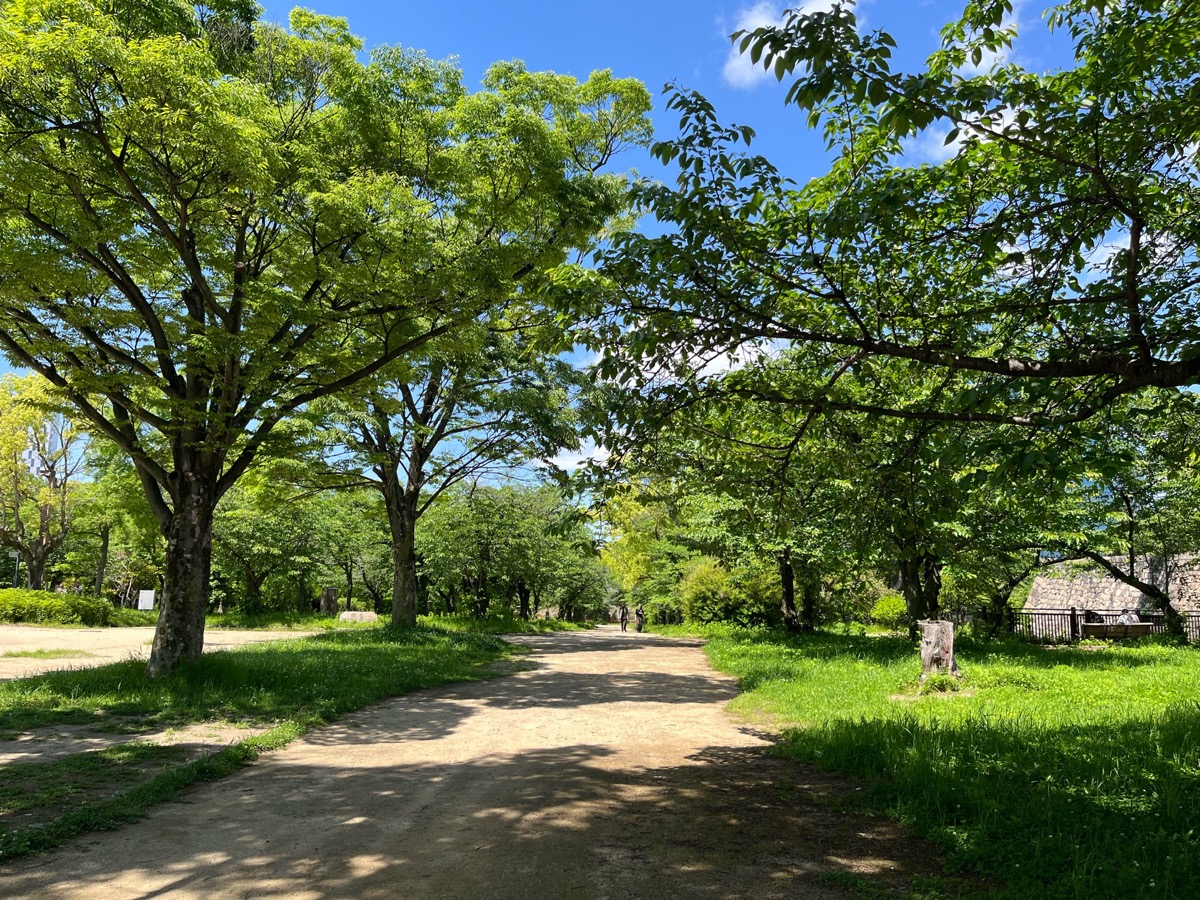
column 35, row 571
column 791, row 620
column 920, row 583
column 523, row 596
column 102, row 566
column 179, row 636
column 404, row 569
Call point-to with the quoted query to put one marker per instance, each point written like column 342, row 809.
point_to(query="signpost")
column 145, row 599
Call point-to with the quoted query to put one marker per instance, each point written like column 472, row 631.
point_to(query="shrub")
column 747, row 598
column 20, row 605
column 705, row 592
column 890, row 611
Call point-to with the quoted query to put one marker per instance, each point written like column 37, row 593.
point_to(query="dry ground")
column 606, row 768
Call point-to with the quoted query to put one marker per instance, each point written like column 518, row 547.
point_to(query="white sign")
column 145, row 599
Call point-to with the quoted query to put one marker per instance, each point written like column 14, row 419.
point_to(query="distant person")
column 623, row 617
column 639, row 616
column 1128, row 617
column 1092, row 617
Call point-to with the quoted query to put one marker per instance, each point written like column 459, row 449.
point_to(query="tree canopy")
column 198, row 238
column 1044, row 269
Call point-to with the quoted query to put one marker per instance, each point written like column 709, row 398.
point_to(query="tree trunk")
column 791, row 620
column 523, row 595
column 179, row 636
column 931, row 584
column 808, row 611
column 914, row 596
column 35, row 571
column 404, row 567
column 102, row 566
column 328, row 602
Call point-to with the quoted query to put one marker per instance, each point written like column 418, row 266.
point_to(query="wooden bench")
column 1112, row 631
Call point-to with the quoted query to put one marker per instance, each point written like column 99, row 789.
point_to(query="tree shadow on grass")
column 732, row 822
column 1083, row 810
column 888, row 650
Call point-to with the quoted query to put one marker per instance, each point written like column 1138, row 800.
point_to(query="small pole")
column 1074, row 624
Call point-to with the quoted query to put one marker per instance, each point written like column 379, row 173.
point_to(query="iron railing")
column 1051, row 626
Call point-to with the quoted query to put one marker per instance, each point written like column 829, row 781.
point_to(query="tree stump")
column 329, row 604
column 937, row 650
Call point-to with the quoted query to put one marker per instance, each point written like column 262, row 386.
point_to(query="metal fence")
column 1191, row 627
column 1060, row 626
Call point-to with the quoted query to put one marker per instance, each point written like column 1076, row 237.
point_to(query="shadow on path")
column 730, row 822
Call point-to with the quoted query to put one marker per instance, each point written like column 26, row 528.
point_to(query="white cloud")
column 930, row 145
column 739, row 72
column 568, row 462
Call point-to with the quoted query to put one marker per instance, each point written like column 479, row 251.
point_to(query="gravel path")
column 606, row 768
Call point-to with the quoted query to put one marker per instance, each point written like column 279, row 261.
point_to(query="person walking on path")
column 623, row 616
column 639, row 616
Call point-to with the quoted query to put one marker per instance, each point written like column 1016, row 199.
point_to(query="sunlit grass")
column 44, row 654
column 465, row 624
column 1056, row 772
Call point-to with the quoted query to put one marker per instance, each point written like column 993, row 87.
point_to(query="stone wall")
column 1085, row 585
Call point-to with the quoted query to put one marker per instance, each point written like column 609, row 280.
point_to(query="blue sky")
column 660, row 41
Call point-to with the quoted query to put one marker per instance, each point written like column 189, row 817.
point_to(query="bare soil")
column 606, row 767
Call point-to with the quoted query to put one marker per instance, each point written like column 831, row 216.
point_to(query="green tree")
column 513, row 548
column 201, row 233
column 459, row 413
column 41, row 454
column 1042, row 271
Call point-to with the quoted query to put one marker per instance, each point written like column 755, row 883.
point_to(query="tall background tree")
column 464, row 411
column 41, row 455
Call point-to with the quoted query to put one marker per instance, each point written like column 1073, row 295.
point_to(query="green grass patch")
column 120, row 617
column 292, row 684
column 44, row 654
column 39, row 791
column 276, row 621
column 463, row 624
column 1055, row 772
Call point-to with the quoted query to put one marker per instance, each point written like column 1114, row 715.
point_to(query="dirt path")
column 98, row 646
column 608, row 769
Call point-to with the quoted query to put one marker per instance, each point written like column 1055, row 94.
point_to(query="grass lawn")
column 45, row 654
column 466, row 624
column 1067, row 772
column 288, row 685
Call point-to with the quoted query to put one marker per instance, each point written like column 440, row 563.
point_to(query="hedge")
column 21, row 605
